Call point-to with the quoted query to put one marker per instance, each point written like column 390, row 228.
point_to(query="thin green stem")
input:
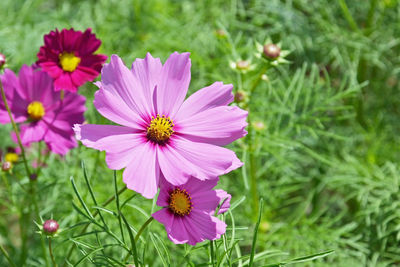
column 8, row 188
column 3, row 95
column 347, row 15
column 108, row 201
column 371, row 14
column 146, row 223
column 212, row 253
column 251, row 145
column 51, row 254
column 143, row 228
column 253, row 246
column 7, row 257
column 37, row 214
column 258, row 80
column 253, row 176
column 23, row 229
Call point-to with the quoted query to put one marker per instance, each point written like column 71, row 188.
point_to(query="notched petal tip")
column 77, row 130
column 146, row 193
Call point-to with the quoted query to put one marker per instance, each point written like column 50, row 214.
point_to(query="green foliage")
column 322, row 149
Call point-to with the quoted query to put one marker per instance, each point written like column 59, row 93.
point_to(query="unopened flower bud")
column 2, row 60
column 50, row 227
column 220, row 33
column 240, row 96
column 33, row 176
column 264, row 77
column 6, row 166
column 242, row 65
column 271, row 51
column 259, row 125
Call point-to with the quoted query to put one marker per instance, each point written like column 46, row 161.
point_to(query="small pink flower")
column 188, row 211
column 35, row 104
column 162, row 133
column 67, row 56
column 225, row 200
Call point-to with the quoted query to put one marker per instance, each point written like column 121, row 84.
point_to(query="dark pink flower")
column 188, row 211
column 39, row 109
column 67, row 56
column 161, row 132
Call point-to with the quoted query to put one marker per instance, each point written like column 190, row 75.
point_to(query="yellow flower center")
column 35, row 110
column 180, row 202
column 68, row 61
column 11, row 157
column 160, row 129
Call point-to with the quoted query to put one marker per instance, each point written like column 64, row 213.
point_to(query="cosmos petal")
column 220, row 125
column 142, row 173
column 173, row 83
column 215, row 95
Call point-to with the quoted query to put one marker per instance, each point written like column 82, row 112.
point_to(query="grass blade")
column 253, row 247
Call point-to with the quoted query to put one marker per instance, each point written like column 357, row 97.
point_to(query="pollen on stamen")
column 35, row 110
column 160, row 129
column 68, row 61
column 180, row 202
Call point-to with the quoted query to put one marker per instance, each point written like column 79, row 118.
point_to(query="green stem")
column 258, row 80
column 143, row 228
column 212, row 253
column 371, row 14
column 253, row 177
column 251, row 146
column 253, row 246
column 37, row 214
column 348, row 16
column 108, row 201
column 51, row 254
column 7, row 257
column 146, row 223
column 43, row 163
column 23, row 229
column 3, row 95
column 8, row 188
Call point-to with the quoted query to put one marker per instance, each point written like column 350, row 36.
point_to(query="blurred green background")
column 327, row 156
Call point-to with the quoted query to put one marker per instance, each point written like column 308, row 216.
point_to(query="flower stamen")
column 180, row 202
column 35, row 110
column 160, row 129
column 68, row 61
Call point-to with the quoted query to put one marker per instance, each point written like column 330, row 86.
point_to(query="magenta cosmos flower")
column 225, row 201
column 67, row 56
column 188, row 211
column 35, row 104
column 161, row 133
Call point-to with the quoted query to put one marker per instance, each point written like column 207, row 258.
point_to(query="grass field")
column 322, row 151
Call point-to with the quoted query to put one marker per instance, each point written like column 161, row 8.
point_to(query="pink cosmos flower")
column 35, row 104
column 67, row 56
column 188, row 211
column 161, row 133
column 225, row 201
